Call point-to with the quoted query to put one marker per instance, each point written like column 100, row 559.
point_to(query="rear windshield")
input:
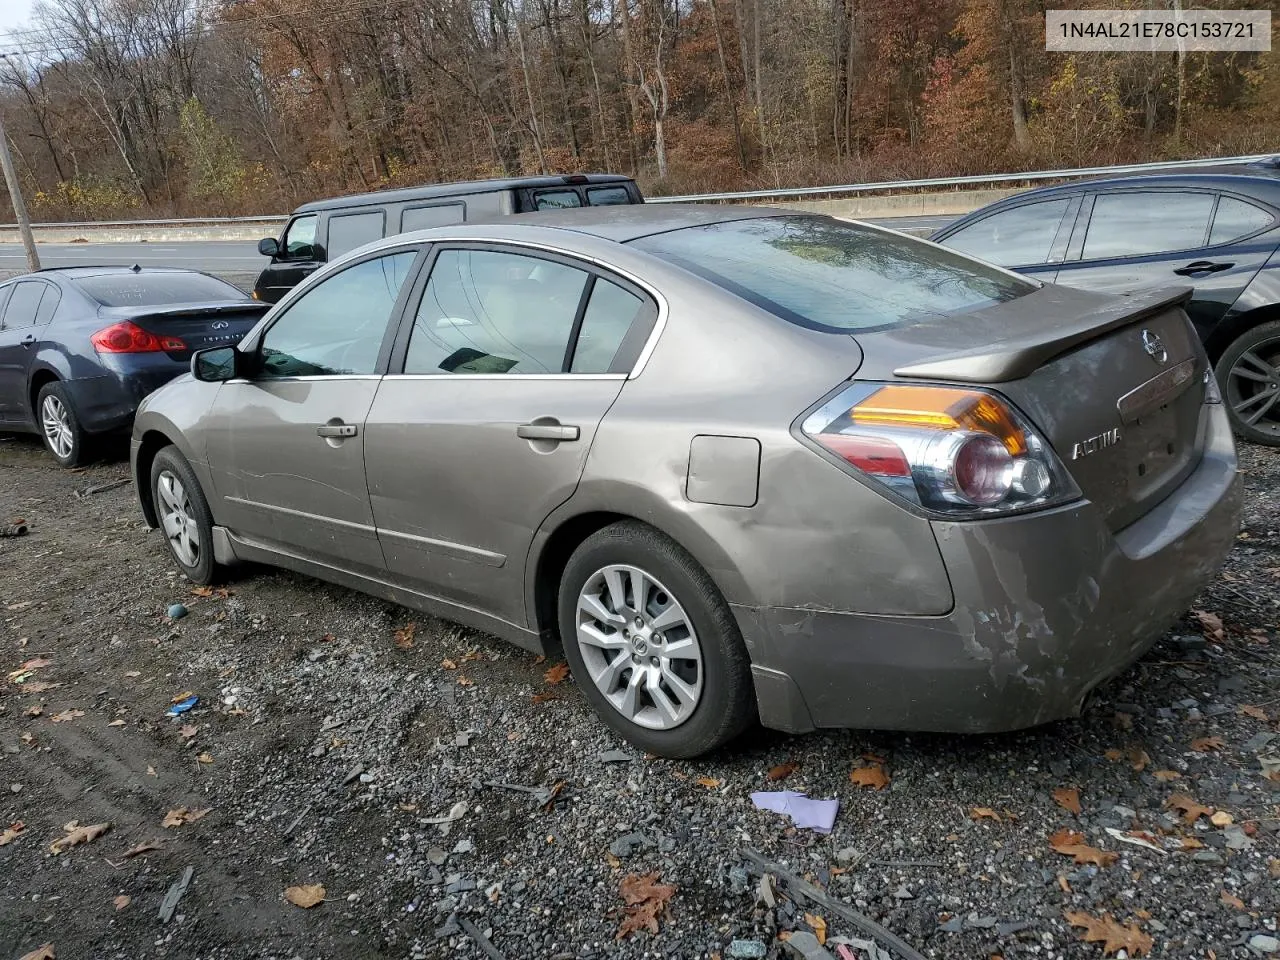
column 156, row 289
column 831, row 275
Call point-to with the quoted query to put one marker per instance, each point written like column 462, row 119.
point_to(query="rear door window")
column 611, row 313
column 300, row 239
column 1017, row 237
column 607, row 196
column 48, row 304
column 350, row 230
column 420, row 218
column 556, row 199
column 1235, row 219
column 22, row 306
column 1142, row 222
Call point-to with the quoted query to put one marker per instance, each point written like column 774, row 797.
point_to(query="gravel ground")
column 326, row 750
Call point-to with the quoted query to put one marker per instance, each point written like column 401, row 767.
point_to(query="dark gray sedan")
column 738, row 463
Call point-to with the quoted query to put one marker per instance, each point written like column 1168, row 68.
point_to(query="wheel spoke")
column 172, row 524
column 617, row 590
column 687, row 695
column 592, row 606
column 671, row 616
column 1250, row 401
column 165, row 486
column 639, row 591
column 1262, row 410
column 627, row 700
column 686, row 649
column 591, row 634
column 669, row 710
column 1260, row 366
column 607, row 677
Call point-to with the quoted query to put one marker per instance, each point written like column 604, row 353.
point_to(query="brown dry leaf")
column 11, row 832
column 1166, row 776
column 1138, row 759
column 819, row 927
column 540, row 658
column 39, row 686
column 1110, row 934
column 205, row 758
column 180, row 816
column 984, row 813
column 1232, row 901
column 646, row 899
column 202, row 592
column 306, row 896
column 33, row 711
column 140, row 849
column 77, row 835
column 782, row 771
column 404, row 636
column 121, row 902
column 448, row 664
column 1190, row 810
column 36, row 663
column 544, row 697
column 471, row 655
column 1273, row 867
column 116, row 723
column 67, row 715
column 1063, row 885
column 873, row 776
column 711, row 783
column 1256, row 712
column 1122, row 721
column 611, row 860
column 1114, row 754
column 557, row 673
column 1070, row 843
column 465, row 681
column 188, row 730
column 1210, row 624
column 44, row 952
column 1222, row 819
column 1068, row 798
column 184, row 695
column 1207, row 744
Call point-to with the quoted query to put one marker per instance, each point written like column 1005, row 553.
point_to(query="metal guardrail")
column 881, row 186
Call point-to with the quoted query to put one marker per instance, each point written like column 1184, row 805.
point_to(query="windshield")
column 157, row 289
column 833, row 275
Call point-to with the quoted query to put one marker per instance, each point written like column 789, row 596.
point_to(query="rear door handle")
column 337, row 430
column 547, row 431
column 1203, row 266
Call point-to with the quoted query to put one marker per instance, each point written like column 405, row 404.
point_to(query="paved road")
column 236, row 260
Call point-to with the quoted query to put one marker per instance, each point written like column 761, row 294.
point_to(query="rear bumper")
column 108, row 402
column 1047, row 607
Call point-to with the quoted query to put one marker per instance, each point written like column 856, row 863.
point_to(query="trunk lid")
column 198, row 325
column 1115, row 384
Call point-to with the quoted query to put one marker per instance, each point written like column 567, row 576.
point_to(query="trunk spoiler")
column 1020, row 355
column 179, row 310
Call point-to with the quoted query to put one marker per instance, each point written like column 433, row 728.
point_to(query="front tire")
column 1249, row 374
column 185, row 518
column 60, row 428
column 653, row 644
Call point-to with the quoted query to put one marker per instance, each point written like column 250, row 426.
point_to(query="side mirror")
column 268, row 246
column 215, row 365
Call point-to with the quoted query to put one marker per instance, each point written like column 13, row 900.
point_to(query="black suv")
column 326, row 229
column 1217, row 231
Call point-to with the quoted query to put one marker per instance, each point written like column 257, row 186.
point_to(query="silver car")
column 737, row 463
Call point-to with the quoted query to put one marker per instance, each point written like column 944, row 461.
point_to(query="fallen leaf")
column 39, row 686
column 782, row 771
column 151, row 772
column 404, row 640
column 544, row 697
column 1122, row 721
column 133, row 673
column 984, row 813
column 184, row 695
column 1063, row 885
column 180, row 816
column 1167, row 775
column 1256, row 712
column 77, row 835
column 611, row 860
column 465, row 681
column 1114, row 754
column 33, row 711
column 1190, row 810
column 471, row 655
column 540, row 658
column 305, row 897
column 1138, row 759
column 37, row 663
column 67, row 715
column 1207, row 744
column 1111, row 934
column 711, row 783
column 873, row 776
column 1070, row 843
column 645, row 900
column 44, row 952
column 201, row 592
column 557, row 673
column 205, row 758
column 140, row 849
column 1222, row 819
column 121, row 902
column 448, row 664
column 1232, row 901
column 1068, row 798
column 1139, row 838
column 818, row 926
column 1210, row 624
column 556, row 790
column 1273, row 867
column 188, row 730
column 11, row 832
column 116, row 723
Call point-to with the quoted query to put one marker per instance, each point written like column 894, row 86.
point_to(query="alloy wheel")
column 177, row 518
column 639, row 647
column 1253, row 386
column 57, row 426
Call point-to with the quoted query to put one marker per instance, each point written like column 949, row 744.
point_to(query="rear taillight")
column 951, row 450
column 127, row 337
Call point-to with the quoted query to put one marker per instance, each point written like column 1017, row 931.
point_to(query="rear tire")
column 60, row 428
column 185, row 518
column 652, row 643
column 1248, row 373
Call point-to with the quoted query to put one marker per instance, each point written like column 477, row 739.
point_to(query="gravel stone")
column 1264, row 943
column 746, row 949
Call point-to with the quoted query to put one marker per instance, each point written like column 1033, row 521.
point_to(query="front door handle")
column 337, row 430
column 28, row 340
column 1203, row 266
column 547, row 431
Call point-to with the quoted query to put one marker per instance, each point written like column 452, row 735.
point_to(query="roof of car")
column 1239, row 179
column 631, row 222
column 431, row 191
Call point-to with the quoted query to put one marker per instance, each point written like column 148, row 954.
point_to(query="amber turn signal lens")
column 941, row 408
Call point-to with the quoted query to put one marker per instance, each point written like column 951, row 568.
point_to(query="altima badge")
column 1103, row 440
column 1154, row 347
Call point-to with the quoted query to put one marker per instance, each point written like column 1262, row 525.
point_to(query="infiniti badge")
column 1154, row 347
column 223, row 324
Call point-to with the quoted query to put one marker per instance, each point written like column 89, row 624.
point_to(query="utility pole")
column 15, row 196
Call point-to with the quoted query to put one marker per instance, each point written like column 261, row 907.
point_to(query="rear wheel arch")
column 39, row 379
column 1228, row 331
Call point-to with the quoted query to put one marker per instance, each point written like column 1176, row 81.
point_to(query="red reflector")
column 874, row 455
column 128, row 337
